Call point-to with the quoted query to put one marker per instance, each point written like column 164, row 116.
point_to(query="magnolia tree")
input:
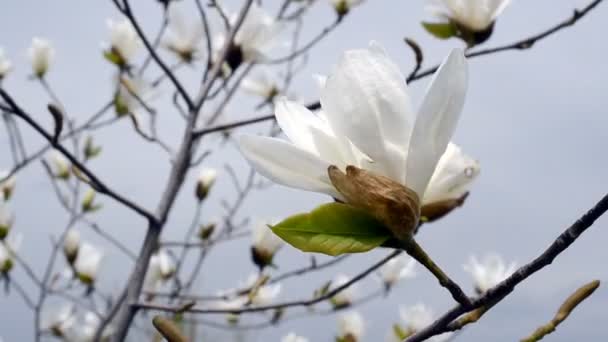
column 387, row 170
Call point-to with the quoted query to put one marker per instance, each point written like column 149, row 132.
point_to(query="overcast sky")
column 536, row 120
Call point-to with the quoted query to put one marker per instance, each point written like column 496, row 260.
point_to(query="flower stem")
column 415, row 251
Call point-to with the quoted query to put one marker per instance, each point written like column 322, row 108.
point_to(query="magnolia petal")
column 296, row 122
column 365, row 99
column 436, row 121
column 286, row 164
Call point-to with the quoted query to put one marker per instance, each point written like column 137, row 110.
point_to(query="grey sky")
column 536, row 120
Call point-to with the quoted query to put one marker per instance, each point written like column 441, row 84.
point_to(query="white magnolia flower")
column 5, row 64
column 418, row 317
column 7, row 186
column 60, row 165
column 206, row 179
column 124, row 41
column 260, row 85
column 160, row 268
column 452, row 177
column 474, row 15
column 7, row 218
column 132, row 94
column 351, row 326
column 265, row 243
column 264, row 294
column 182, row 39
column 87, row 263
column 258, row 33
column 60, row 321
column 397, row 268
column 489, row 272
column 41, row 55
column 347, row 295
column 86, row 328
column 292, row 337
column 366, row 121
column 71, row 244
column 8, row 248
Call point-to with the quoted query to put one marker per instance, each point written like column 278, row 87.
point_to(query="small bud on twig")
column 58, row 116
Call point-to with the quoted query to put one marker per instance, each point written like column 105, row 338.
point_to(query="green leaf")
column 333, row 229
column 441, row 30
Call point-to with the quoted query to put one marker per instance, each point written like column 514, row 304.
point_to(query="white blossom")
column 7, row 186
column 366, row 121
column 452, row 177
column 264, row 294
column 182, row 39
column 86, row 328
column 60, row 321
column 257, row 34
column 475, row 15
column 292, row 337
column 7, row 218
column 418, row 317
column 206, row 179
column 489, row 272
column 351, row 324
column 124, row 41
column 71, row 244
column 132, row 94
column 264, row 240
column 347, row 295
column 160, row 268
column 41, row 55
column 87, row 263
column 5, row 64
column 8, row 248
column 260, row 85
column 60, row 165
column 397, row 268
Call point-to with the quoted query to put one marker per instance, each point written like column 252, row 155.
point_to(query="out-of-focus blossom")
column 7, row 219
column 416, row 318
column 160, row 268
column 342, row 7
column 351, row 327
column 7, row 186
column 182, row 39
column 71, row 245
column 400, row 267
column 265, row 244
column 257, row 34
column 132, row 94
column 41, row 54
column 60, row 321
column 260, row 85
column 8, row 248
column 292, row 337
column 60, row 166
column 345, row 297
column 5, row 64
column 261, row 294
column 489, row 272
column 124, row 42
column 86, row 327
column 206, row 179
column 87, row 263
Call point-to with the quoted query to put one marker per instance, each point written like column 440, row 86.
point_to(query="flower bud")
column 41, row 54
column 7, row 186
column 5, row 65
column 61, row 166
column 390, row 202
column 87, row 263
column 71, row 244
column 206, row 230
column 88, row 204
column 6, row 220
column 90, row 149
column 206, row 179
column 351, row 327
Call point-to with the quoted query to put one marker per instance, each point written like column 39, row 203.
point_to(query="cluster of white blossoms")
column 10, row 241
column 68, row 324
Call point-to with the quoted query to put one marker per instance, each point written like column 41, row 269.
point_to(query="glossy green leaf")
column 441, row 30
column 333, row 229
